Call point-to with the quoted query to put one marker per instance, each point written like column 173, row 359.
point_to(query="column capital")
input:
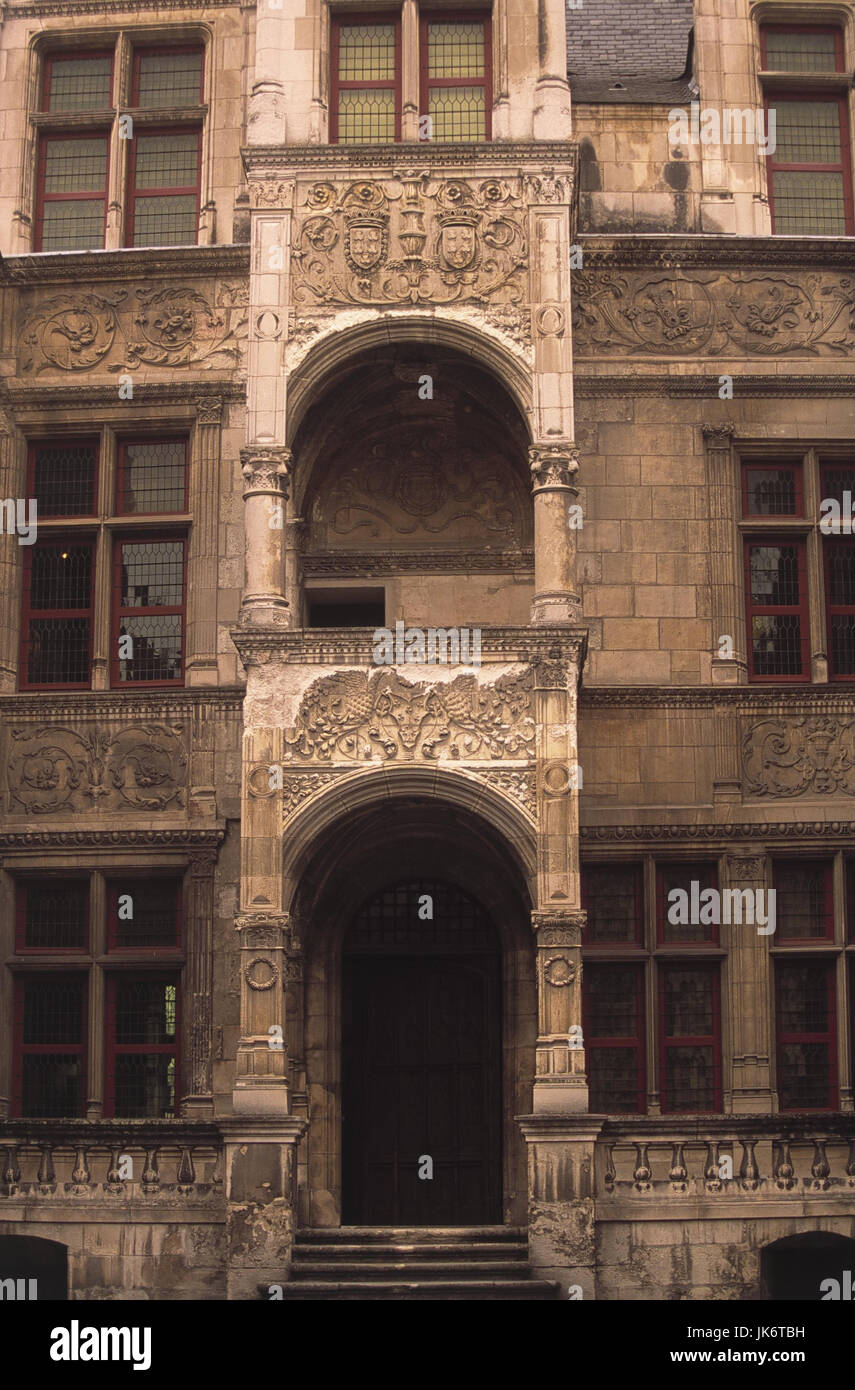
column 264, row 930
column 209, row 410
column 553, row 466
column 718, row 436
column 747, row 867
column 556, row 927
column 266, row 469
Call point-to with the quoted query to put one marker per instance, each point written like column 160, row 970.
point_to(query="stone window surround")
column 740, row 961
column 408, row 10
column 123, row 40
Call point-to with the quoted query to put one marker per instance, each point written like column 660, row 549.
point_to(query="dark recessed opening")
column 346, row 608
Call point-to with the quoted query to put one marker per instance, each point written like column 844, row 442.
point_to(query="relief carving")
column 410, row 239
column 517, row 783
column 682, row 315
column 60, row 771
column 300, row 786
column 808, row 756
column 362, row 715
column 150, row 326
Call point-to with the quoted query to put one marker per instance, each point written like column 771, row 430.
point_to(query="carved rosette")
column 553, row 466
column 266, row 470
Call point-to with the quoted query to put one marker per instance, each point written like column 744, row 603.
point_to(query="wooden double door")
column 421, row 1098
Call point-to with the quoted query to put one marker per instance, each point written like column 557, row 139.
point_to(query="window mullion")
column 410, row 70
column 95, row 1079
column 101, row 616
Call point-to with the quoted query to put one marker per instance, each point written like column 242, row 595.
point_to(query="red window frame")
column 767, row 29
column 712, row 1040
column 115, row 888
column 707, row 876
column 114, row 1049
column 146, row 50
column 42, row 198
column 124, row 444
column 767, row 466
column 638, row 1041
column 638, row 875
column 427, row 83
column 36, row 444
column 22, row 889
column 161, row 191
column 28, row 613
column 68, row 55
column 844, row 167
column 829, row 1037
column 20, row 1049
column 337, row 84
column 830, row 544
column 849, row 869
column 118, row 612
column 827, row 868
column 762, row 610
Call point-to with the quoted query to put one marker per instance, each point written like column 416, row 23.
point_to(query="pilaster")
column 198, row 1101
column 202, row 567
column 750, row 984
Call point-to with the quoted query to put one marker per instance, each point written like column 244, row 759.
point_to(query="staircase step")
column 529, row 1290
column 414, row 1253
column 409, row 1235
column 412, row 1270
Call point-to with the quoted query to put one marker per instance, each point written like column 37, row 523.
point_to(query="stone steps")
column 414, row 1263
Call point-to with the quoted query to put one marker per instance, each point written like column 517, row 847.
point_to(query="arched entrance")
column 813, row 1266
column 421, row 1049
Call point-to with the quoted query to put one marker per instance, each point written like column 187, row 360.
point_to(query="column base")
column 265, row 1100
column 552, row 610
column 264, row 610
column 560, row 1095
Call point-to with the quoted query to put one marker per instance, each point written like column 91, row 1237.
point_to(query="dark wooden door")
column 421, row 1054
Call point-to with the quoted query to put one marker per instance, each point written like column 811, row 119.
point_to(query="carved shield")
column 365, row 245
column 457, row 244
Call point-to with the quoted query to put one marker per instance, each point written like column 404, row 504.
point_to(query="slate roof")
column 629, row 50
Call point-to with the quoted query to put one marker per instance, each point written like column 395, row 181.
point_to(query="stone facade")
column 485, row 386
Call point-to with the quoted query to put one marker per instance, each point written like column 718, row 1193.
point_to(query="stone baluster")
column 819, row 1168
column 679, row 1173
column 783, row 1170
column 11, row 1171
column 47, row 1173
column 80, row 1176
column 151, row 1173
column 712, row 1169
column 749, row 1173
column 610, row 1176
column 642, row 1175
column 850, row 1163
column 186, row 1172
column 115, row 1183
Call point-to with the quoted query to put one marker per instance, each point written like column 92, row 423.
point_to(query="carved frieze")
column 742, row 313
column 361, row 715
column 518, row 783
column 807, row 756
column 117, row 329
column 413, row 238
column 57, row 770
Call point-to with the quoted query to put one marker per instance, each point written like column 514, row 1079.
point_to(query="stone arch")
column 358, row 836
column 33, row 1267
column 330, row 356
column 795, row 1267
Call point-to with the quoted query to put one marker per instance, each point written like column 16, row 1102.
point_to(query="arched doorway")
column 33, row 1268
column 421, row 1055
column 806, row 1267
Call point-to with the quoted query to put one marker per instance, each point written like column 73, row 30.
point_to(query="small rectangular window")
column 613, row 1030
column 152, row 476
column 167, row 77
column 72, row 191
column 840, row 595
column 776, row 610
column 164, row 188
column 50, row 1047
column 144, row 914
column 690, row 1038
column 77, row 82
column 810, row 175
column 612, row 899
column 56, row 630
column 366, row 81
column 63, row 477
column 149, row 610
column 838, row 484
column 807, row 1035
column 52, row 915
column 456, row 81
column 772, row 489
column 850, row 903
column 803, row 901
column 142, row 1046
column 801, row 49
column 687, row 913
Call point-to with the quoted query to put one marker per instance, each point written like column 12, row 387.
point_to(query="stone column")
column 202, row 566
column 10, row 557
column 274, row 27
column 729, row 665
column 560, row 1085
column 261, row 1084
column 552, row 94
column 556, row 599
column 410, row 70
column 295, row 531
column 265, row 470
column 198, row 1099
column 749, row 975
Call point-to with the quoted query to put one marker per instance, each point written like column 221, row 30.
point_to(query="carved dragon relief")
column 360, row 715
column 677, row 314
column 411, row 239
column 54, row 770
column 807, row 756
column 161, row 325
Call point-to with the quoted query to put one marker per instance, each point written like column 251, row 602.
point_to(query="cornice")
column 588, row 385
column 791, row 1125
column 702, row 252
column 132, row 263
column 838, row 699
column 523, row 155
column 763, row 831
column 52, row 706
column 355, row 646
column 180, row 839
column 95, row 1134
column 405, row 562
column 103, row 7
column 184, row 393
